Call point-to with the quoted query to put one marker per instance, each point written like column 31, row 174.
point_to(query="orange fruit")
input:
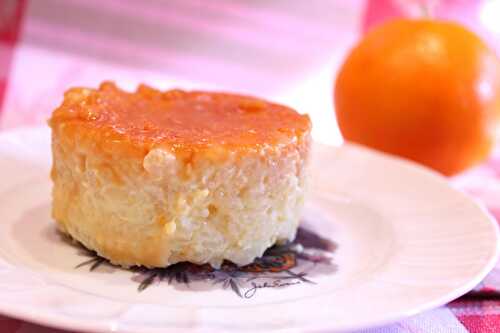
column 424, row 90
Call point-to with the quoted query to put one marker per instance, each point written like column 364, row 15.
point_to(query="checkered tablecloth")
column 283, row 50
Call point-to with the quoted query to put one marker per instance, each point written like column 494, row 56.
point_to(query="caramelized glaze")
column 180, row 120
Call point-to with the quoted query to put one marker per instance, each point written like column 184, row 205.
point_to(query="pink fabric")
column 59, row 44
column 11, row 12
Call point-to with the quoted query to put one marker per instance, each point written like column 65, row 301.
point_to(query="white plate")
column 407, row 242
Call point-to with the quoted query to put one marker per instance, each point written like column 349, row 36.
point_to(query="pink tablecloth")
column 284, row 50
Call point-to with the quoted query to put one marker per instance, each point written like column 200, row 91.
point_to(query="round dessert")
column 154, row 178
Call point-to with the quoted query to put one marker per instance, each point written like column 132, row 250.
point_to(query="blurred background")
column 284, row 50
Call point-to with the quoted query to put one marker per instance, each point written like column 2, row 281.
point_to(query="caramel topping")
column 178, row 119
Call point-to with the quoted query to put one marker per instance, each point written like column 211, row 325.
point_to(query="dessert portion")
column 154, row 178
